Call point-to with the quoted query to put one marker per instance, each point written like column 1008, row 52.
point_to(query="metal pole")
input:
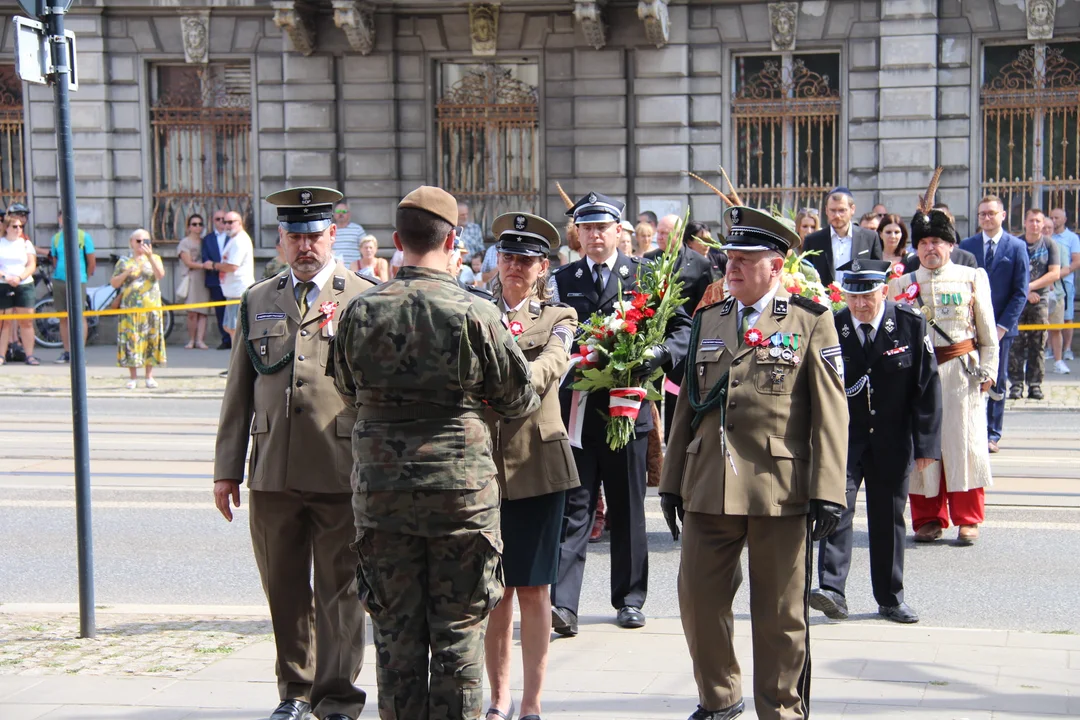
column 54, row 22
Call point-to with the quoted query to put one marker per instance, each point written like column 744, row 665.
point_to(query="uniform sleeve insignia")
column 728, row 304
column 339, row 283
column 890, row 325
column 834, row 359
column 565, row 335
column 928, row 343
column 780, row 307
column 808, row 304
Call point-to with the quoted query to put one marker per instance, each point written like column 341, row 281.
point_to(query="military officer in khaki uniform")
column 533, row 456
column 756, row 457
column 298, row 475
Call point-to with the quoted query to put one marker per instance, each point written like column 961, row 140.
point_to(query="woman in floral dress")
column 140, row 339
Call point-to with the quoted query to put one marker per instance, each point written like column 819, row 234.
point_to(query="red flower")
column 816, row 299
column 649, row 312
column 600, row 333
column 835, row 296
column 794, row 289
column 639, row 300
column 631, row 328
column 634, row 315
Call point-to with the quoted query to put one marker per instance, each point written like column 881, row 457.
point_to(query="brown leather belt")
column 948, row 352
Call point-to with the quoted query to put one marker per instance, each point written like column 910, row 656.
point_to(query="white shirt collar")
column 875, row 323
column 760, row 305
column 837, row 236
column 320, row 278
column 508, row 309
column 609, row 263
column 993, row 238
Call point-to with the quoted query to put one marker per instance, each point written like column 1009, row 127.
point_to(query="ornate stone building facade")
column 188, row 105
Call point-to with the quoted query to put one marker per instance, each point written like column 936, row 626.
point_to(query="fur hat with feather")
column 928, row 222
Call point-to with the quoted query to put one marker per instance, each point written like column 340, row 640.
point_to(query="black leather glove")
column 671, row 505
column 825, row 516
column 655, row 357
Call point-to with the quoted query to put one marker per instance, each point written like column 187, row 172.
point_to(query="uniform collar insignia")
column 846, row 330
column 579, row 273
column 624, row 271
column 780, row 308
column 728, row 304
column 890, row 325
column 534, row 307
column 339, row 283
column 282, row 281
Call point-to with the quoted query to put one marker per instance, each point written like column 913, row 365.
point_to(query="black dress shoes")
column 336, row 716
column 564, row 622
column 291, row 710
column 901, row 613
column 833, row 604
column 728, row 713
column 630, row 617
column 224, row 346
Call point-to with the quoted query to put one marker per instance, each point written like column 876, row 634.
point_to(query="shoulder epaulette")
column 481, row 293
column 908, row 308
column 559, row 269
column 549, row 303
column 808, row 304
column 711, row 305
column 366, row 277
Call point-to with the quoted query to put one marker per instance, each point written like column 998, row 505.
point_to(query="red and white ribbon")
column 625, row 402
column 577, row 417
column 670, row 387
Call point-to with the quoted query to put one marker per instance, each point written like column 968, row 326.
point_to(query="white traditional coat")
column 959, row 302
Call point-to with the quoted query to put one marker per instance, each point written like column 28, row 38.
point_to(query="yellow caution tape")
column 120, row 311
column 1054, row 326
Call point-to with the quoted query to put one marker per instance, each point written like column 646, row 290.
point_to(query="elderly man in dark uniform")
column 592, row 285
column 299, row 428
column 894, row 405
column 756, row 459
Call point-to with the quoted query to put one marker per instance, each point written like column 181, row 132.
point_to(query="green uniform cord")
column 717, row 397
column 260, row 367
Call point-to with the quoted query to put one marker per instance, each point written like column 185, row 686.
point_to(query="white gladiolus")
column 616, row 325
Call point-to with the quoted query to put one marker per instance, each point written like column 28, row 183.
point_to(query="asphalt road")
column 159, row 540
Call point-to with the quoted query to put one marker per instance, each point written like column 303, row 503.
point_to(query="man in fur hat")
column 956, row 302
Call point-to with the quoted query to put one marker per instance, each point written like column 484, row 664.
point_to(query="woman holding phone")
column 140, row 339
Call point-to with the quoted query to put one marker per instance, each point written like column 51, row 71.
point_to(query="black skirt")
column 531, row 532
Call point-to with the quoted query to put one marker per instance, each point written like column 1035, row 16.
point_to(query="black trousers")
column 217, row 296
column 886, row 497
column 669, row 413
column 622, row 473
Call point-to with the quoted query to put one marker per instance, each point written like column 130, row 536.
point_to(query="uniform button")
column 871, row 431
column 736, row 362
column 299, row 383
column 873, row 412
column 869, row 371
column 731, row 427
column 303, row 333
column 731, row 406
column 300, row 358
column 735, row 383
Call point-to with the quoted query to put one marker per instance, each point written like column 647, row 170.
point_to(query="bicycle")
column 47, row 330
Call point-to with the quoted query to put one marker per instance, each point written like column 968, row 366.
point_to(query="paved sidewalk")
column 861, row 668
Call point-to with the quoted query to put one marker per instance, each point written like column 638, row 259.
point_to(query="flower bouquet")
column 800, row 278
column 613, row 348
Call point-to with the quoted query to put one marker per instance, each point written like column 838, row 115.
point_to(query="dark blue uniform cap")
column 596, row 208
column 305, row 210
column 864, row 276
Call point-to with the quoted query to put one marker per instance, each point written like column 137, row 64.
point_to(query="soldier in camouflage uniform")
column 421, row 358
column 1026, row 362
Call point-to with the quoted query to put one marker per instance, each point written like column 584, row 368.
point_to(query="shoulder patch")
column 834, row 358
column 808, row 304
column 566, row 335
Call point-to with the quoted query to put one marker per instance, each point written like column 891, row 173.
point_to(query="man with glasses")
column 1004, row 258
column 347, row 244
column 592, row 284
column 213, row 245
column 843, row 241
column 237, row 267
column 87, row 266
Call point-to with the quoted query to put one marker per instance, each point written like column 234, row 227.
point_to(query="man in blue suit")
column 212, row 246
column 1004, row 257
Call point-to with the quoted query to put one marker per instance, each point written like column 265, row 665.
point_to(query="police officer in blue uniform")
column 591, row 285
column 894, row 406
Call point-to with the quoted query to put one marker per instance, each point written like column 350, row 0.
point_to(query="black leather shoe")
column 728, row 713
column 291, row 710
column 833, row 604
column 336, row 716
column 1016, row 392
column 1035, row 393
column 224, row 346
column 630, row 617
column 564, row 622
column 901, row 613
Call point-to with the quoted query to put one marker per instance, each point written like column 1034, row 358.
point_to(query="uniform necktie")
column 744, row 322
column 867, row 340
column 302, row 290
column 599, row 282
column 989, row 254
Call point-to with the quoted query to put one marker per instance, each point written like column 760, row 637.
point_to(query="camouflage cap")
column 434, row 200
column 305, row 210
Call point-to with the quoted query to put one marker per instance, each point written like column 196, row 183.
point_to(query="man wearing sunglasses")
column 213, row 247
column 87, row 266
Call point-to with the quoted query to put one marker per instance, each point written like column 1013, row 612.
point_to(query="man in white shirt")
column 841, row 242
column 237, row 267
column 1069, row 246
column 347, row 241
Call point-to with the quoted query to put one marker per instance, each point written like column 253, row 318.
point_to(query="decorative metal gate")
column 488, row 146
column 786, row 135
column 12, row 174
column 201, row 144
column 1031, row 141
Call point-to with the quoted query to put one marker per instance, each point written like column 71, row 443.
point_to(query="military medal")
column 753, row 337
column 327, row 309
column 953, row 298
column 945, row 310
column 516, row 329
column 774, row 352
column 777, row 376
column 786, row 354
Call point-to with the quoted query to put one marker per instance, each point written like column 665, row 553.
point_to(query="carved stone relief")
column 483, row 27
column 196, row 31
column 654, row 14
column 1040, row 19
column 295, row 19
column 588, row 17
column 783, row 17
column 357, row 19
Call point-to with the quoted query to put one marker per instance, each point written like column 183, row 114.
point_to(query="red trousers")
column 967, row 507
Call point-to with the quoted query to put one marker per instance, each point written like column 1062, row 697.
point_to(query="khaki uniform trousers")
column 709, row 577
column 319, row 635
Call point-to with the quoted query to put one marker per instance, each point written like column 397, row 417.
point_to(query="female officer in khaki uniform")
column 535, row 463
